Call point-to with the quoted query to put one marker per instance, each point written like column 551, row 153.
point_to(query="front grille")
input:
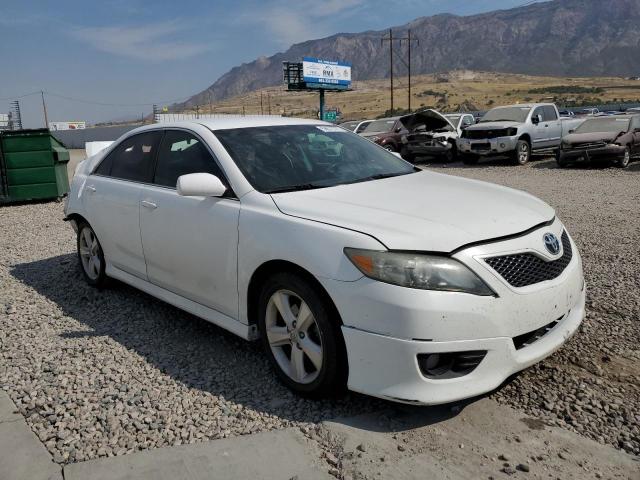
column 524, row 269
column 480, row 146
column 482, row 134
column 526, row 339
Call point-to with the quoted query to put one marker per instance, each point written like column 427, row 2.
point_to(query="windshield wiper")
column 380, row 176
column 498, row 120
column 295, row 188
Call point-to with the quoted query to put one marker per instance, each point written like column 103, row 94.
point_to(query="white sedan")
column 352, row 267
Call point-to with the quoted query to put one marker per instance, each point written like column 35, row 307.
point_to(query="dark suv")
column 386, row 132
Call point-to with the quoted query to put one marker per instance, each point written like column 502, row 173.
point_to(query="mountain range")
column 558, row 37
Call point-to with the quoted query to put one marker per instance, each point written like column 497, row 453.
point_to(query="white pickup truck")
column 516, row 131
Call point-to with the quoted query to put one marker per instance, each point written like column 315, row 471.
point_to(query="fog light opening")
column 443, row 365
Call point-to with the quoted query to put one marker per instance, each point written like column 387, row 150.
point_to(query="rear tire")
column 308, row 354
column 91, row 256
column 389, row 148
column 623, row 162
column 522, row 155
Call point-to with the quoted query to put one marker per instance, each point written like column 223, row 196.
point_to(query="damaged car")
column 431, row 133
column 616, row 139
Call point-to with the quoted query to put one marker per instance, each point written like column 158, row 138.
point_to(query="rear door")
column 111, row 197
column 553, row 126
column 190, row 243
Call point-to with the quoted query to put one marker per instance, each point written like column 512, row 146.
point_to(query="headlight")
column 426, row 272
column 512, row 132
column 440, row 139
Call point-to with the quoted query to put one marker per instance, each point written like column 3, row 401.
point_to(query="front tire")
column 301, row 335
column 389, row 148
column 452, row 154
column 522, row 155
column 91, row 256
column 561, row 160
column 623, row 162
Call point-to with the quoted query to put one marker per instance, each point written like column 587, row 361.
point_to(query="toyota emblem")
column 552, row 243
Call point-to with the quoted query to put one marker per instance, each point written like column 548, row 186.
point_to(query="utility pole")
column 44, row 109
column 409, row 41
column 269, row 102
column 390, row 40
column 261, row 106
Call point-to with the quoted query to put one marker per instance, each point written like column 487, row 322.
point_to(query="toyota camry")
column 353, row 268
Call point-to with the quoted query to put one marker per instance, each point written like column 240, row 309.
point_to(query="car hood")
column 590, row 137
column 423, row 211
column 431, row 119
column 493, row 125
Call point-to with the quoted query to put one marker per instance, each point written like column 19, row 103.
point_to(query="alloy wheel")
column 294, row 336
column 523, row 154
column 89, row 253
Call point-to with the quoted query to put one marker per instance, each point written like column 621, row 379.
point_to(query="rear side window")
column 182, row 153
column 549, row 113
column 133, row 159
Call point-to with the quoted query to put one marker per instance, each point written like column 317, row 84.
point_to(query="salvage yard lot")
column 102, row 373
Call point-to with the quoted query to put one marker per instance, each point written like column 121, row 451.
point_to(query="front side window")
column 133, row 158
column 182, row 153
column 538, row 111
column 300, row 157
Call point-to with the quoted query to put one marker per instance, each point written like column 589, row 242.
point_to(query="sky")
column 112, row 59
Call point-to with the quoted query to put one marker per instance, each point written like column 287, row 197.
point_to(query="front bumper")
column 607, row 151
column 387, row 326
column 488, row 146
column 428, row 148
column 387, row 367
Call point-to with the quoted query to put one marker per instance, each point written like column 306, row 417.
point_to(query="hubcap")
column 627, row 157
column 89, row 253
column 294, row 336
column 524, row 153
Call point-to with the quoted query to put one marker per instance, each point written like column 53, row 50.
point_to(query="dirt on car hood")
column 431, row 119
column 423, row 211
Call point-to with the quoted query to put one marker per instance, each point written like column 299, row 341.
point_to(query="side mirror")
column 536, row 119
column 571, row 131
column 398, row 130
column 200, row 185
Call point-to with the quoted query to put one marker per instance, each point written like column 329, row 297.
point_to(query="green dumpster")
column 33, row 165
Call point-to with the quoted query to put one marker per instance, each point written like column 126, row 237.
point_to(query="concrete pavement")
column 22, row 455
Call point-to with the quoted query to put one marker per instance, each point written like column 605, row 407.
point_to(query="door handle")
column 148, row 204
column 91, row 188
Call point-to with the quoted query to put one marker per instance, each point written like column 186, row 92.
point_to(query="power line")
column 92, row 102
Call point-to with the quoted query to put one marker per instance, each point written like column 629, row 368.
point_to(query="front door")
column 190, row 243
column 111, row 196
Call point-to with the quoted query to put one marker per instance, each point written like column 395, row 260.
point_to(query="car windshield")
column 384, row 125
column 301, row 157
column 453, row 118
column 506, row 114
column 603, row 124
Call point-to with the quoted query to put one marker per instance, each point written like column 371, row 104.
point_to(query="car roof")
column 234, row 121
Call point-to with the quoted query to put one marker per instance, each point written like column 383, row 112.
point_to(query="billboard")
column 67, row 125
column 315, row 70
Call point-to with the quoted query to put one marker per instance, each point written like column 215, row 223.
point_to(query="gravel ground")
column 103, row 373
